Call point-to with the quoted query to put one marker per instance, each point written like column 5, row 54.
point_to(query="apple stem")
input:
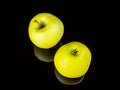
column 74, row 52
column 36, row 21
column 42, row 25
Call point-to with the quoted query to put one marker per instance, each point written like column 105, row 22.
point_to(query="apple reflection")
column 46, row 55
column 68, row 81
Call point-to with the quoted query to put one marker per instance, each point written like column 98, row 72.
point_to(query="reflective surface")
column 68, row 81
column 85, row 22
column 46, row 55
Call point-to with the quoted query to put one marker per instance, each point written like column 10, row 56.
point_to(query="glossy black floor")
column 83, row 21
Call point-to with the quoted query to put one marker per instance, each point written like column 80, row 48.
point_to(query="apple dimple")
column 74, row 52
column 42, row 24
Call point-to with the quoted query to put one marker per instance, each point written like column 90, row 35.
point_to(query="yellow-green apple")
column 45, row 30
column 68, row 81
column 46, row 55
column 73, row 59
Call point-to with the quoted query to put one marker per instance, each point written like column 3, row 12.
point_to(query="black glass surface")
column 83, row 21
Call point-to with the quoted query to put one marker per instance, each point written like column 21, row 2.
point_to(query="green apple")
column 46, row 55
column 45, row 30
column 68, row 81
column 73, row 59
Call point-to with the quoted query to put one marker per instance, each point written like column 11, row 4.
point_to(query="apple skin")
column 46, row 55
column 45, row 30
column 73, row 59
column 68, row 81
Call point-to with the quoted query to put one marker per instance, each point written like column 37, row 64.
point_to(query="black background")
column 87, row 22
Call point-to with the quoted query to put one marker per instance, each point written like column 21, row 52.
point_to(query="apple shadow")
column 46, row 55
column 68, row 81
